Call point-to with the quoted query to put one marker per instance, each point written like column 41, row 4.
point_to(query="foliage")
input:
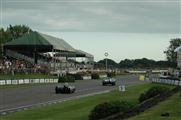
column 111, row 74
column 76, row 76
column 145, row 63
column 95, row 76
column 11, row 33
column 109, row 108
column 102, row 64
column 153, row 91
column 171, row 55
column 135, row 63
column 66, row 78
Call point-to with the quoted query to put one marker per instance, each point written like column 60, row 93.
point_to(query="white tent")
column 178, row 49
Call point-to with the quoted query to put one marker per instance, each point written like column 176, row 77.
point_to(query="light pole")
column 106, row 55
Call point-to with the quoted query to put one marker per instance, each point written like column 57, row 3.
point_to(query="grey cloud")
column 101, row 17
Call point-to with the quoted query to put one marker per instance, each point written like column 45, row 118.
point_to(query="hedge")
column 76, row 76
column 111, row 74
column 153, row 91
column 66, row 78
column 108, row 108
column 95, row 76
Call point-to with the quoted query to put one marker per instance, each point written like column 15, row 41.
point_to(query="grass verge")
column 78, row 109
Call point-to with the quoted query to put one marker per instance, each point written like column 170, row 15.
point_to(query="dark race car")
column 109, row 81
column 65, row 89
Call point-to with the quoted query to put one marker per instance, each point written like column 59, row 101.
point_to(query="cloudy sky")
column 123, row 28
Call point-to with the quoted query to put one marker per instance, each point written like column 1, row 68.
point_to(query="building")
column 178, row 50
column 34, row 47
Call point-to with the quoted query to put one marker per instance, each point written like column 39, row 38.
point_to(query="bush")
column 109, row 108
column 95, row 76
column 111, row 74
column 76, row 76
column 153, row 91
column 66, row 78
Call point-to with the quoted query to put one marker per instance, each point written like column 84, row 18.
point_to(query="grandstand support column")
column 3, row 50
column 180, row 90
column 93, row 64
column 66, row 63
column 75, row 62
column 53, row 51
column 35, row 56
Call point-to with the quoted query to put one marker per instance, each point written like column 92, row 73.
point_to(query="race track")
column 16, row 98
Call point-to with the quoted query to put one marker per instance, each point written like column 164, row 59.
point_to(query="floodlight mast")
column 106, row 55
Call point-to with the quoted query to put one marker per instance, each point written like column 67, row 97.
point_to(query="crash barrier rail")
column 28, row 81
column 143, row 106
column 103, row 76
column 41, row 80
column 89, row 77
column 86, row 77
column 166, row 81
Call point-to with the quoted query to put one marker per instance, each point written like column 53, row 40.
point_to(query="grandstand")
column 50, row 52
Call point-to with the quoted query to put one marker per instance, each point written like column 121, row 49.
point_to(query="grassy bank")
column 172, row 106
column 78, row 109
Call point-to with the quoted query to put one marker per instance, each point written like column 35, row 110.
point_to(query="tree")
column 126, row 63
column 3, row 39
column 11, row 33
column 111, row 63
column 171, row 55
column 17, row 31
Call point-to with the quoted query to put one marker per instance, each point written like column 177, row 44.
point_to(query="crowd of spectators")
column 12, row 66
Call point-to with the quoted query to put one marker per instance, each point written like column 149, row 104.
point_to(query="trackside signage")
column 27, row 81
column 122, row 88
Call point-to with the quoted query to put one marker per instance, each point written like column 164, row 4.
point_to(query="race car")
column 109, row 81
column 66, row 88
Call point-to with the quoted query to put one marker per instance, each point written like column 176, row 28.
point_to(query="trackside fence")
column 166, row 81
column 28, row 81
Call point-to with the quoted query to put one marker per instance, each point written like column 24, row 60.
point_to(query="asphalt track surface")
column 15, row 98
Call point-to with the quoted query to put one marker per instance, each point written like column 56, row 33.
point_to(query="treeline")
column 10, row 33
column 136, row 63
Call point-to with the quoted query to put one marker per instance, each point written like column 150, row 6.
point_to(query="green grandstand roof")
column 40, row 41
column 32, row 38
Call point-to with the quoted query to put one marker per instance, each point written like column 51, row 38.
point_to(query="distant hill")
column 136, row 63
column 145, row 63
column 110, row 63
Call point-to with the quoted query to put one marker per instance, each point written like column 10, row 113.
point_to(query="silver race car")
column 109, row 81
